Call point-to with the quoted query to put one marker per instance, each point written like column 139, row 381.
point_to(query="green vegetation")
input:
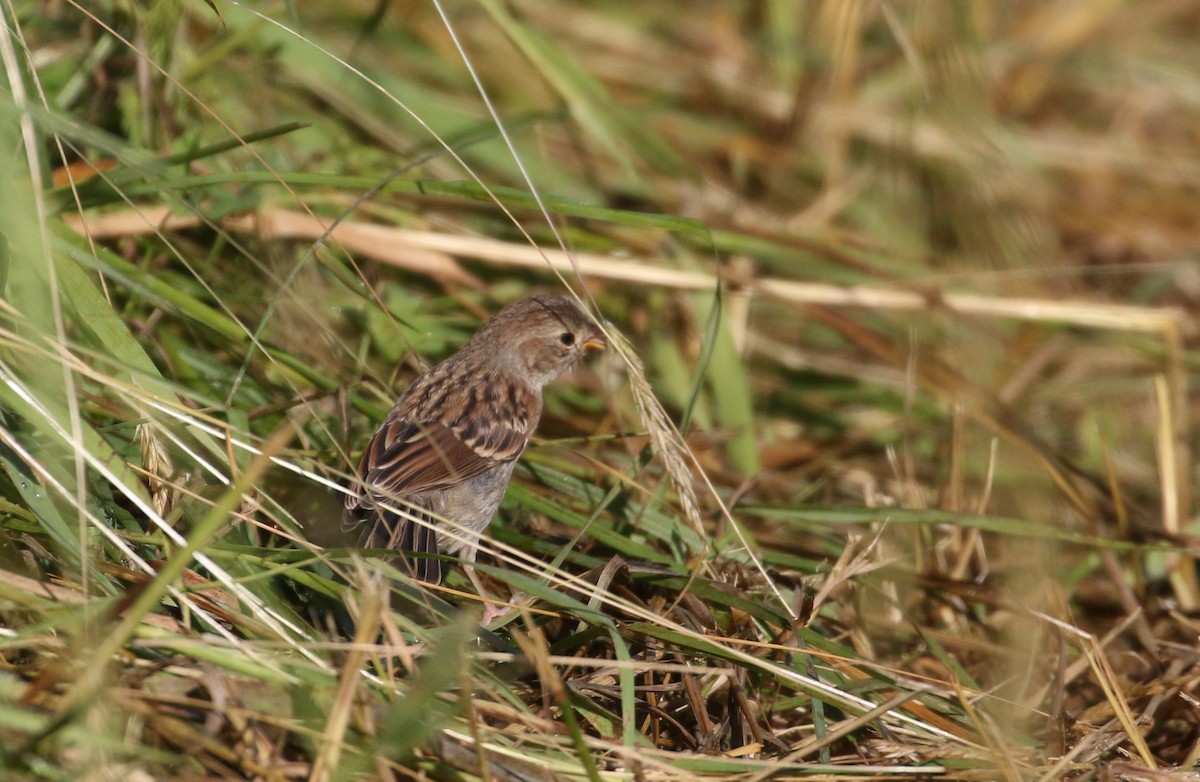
column 892, row 474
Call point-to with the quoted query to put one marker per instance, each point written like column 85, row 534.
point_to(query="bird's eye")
column 567, row 338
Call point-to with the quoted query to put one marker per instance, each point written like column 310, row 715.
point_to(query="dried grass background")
column 889, row 473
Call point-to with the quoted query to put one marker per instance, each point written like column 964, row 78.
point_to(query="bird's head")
column 546, row 336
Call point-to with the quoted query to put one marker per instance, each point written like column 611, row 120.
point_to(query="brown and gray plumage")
column 448, row 448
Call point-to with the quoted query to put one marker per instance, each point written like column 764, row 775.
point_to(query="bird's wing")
column 406, row 457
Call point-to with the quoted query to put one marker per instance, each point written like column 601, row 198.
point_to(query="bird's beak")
column 594, row 342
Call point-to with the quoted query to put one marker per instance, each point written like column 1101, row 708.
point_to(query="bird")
column 446, row 451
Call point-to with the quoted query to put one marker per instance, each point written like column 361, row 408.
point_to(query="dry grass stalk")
column 1098, row 661
column 414, row 251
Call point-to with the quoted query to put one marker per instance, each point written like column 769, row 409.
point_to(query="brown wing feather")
column 405, row 458
column 424, row 457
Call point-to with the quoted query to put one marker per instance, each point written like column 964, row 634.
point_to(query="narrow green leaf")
column 588, row 100
column 733, row 395
column 424, row 705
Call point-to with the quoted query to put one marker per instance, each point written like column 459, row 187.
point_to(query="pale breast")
column 472, row 504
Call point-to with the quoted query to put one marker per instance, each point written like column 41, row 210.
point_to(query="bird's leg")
column 493, row 607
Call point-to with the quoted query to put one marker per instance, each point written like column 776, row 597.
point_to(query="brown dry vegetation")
column 891, row 473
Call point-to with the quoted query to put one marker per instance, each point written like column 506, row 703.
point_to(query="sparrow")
column 448, row 448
